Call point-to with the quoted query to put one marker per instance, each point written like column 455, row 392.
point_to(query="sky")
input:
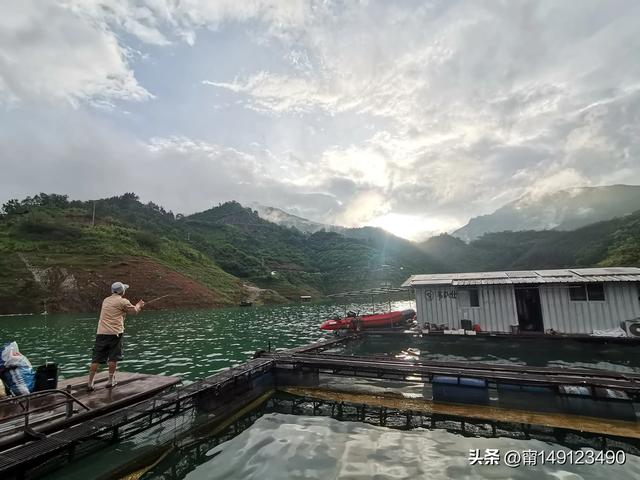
column 409, row 115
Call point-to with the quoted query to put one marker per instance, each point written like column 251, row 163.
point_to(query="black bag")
column 46, row 377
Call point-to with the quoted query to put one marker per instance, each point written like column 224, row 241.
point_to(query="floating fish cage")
column 180, row 424
column 184, row 456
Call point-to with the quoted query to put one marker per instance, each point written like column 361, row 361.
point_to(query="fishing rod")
column 158, row 298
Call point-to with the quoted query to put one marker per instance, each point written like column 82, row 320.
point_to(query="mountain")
column 564, row 210
column 613, row 242
column 284, row 219
column 54, row 254
column 293, row 263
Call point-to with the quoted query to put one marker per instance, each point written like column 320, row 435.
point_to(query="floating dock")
column 582, row 337
column 33, row 416
column 419, row 371
column 309, row 380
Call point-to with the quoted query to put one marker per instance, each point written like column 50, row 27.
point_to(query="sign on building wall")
column 440, row 294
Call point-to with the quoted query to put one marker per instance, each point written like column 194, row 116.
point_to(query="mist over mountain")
column 285, row 219
column 563, row 210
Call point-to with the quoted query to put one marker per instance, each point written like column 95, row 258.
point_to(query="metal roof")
column 574, row 275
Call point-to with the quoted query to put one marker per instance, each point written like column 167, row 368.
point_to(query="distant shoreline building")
column 572, row 301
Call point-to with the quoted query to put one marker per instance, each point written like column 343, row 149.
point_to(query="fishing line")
column 158, row 298
column 46, row 332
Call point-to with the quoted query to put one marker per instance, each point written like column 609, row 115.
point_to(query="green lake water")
column 190, row 344
column 194, row 344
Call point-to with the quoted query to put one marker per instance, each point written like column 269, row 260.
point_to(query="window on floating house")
column 578, row 293
column 474, row 297
column 595, row 292
column 468, row 297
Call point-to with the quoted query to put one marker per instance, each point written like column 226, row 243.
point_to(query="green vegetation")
column 610, row 243
column 52, row 237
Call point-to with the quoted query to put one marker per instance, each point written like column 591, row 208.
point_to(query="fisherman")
column 108, row 346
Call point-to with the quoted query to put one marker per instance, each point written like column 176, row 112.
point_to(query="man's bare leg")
column 112, row 374
column 92, row 373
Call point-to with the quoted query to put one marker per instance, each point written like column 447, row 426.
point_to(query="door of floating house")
column 529, row 308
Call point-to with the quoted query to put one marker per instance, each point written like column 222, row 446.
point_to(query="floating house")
column 572, row 301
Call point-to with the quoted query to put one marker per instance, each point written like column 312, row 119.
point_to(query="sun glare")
column 413, row 227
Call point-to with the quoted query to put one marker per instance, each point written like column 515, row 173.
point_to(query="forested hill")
column 55, row 253
column 53, row 250
column 610, row 243
column 291, row 262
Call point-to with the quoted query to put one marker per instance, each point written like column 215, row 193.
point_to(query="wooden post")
column 69, row 405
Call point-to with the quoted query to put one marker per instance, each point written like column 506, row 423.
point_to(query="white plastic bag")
column 19, row 375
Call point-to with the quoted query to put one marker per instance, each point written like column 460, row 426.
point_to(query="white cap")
column 119, row 287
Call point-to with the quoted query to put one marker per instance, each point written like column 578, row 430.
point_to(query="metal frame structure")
column 25, row 403
column 130, row 420
column 392, row 369
column 223, row 395
column 186, row 457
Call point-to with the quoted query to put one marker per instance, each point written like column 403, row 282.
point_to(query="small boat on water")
column 377, row 320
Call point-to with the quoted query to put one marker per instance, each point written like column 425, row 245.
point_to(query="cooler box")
column 46, row 377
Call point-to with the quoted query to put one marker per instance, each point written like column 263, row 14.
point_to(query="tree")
column 13, row 207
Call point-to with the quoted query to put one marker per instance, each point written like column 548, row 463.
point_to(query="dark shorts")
column 108, row 348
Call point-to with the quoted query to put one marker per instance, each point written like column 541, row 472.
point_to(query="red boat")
column 378, row 320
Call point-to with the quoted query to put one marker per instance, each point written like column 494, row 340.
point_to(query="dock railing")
column 25, row 402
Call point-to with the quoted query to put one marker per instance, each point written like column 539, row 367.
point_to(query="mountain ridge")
column 54, row 253
column 567, row 209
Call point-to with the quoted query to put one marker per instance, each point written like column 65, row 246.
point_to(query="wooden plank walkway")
column 159, row 406
column 470, row 366
column 581, row 337
column 322, row 345
column 602, row 426
column 402, row 370
column 131, row 388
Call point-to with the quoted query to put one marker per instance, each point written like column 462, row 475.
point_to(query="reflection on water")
column 280, row 446
column 538, row 352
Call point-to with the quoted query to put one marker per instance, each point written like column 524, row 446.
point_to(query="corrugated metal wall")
column 566, row 316
column 496, row 312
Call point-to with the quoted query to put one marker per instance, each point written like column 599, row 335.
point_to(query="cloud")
column 421, row 113
column 91, row 158
column 71, row 51
column 50, row 54
column 362, row 208
column 273, row 93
